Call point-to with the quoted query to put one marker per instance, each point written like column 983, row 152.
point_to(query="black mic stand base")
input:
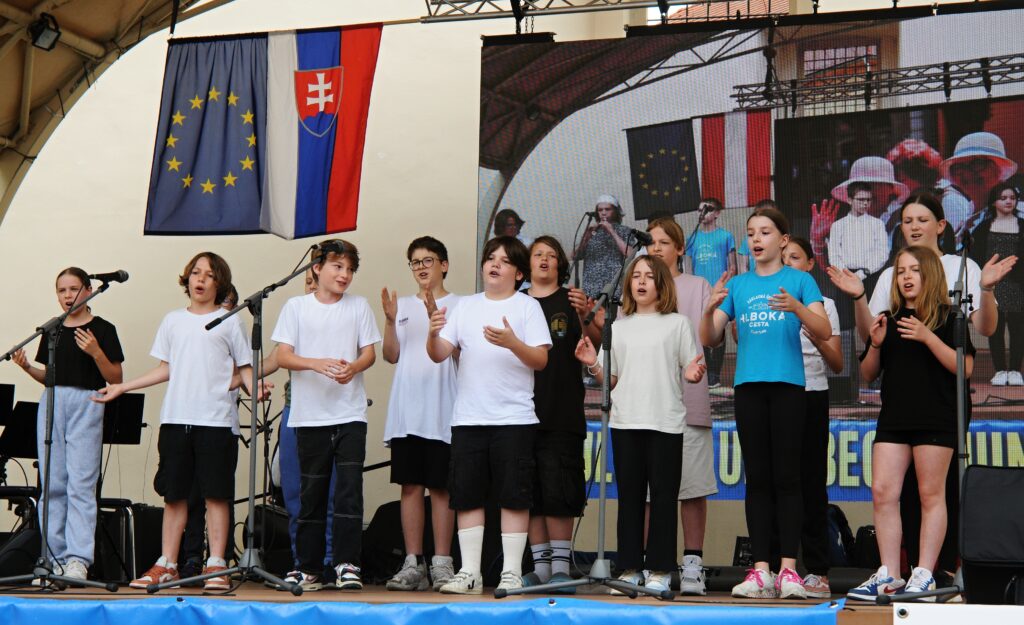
column 43, row 573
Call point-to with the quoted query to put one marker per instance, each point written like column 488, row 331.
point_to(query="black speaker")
column 148, row 521
column 271, row 536
column 19, row 553
column 992, row 533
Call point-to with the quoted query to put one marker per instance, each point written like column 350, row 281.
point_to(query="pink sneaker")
column 817, row 586
column 790, row 585
column 758, row 584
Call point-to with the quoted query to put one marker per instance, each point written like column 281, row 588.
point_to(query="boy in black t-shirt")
column 559, row 491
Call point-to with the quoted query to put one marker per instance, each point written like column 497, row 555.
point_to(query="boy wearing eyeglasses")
column 326, row 339
column 418, row 428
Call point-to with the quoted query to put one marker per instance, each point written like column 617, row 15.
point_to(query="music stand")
column 19, row 436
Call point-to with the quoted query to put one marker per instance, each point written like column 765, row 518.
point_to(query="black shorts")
column 917, row 437
column 559, row 488
column 492, row 463
column 420, row 461
column 205, row 454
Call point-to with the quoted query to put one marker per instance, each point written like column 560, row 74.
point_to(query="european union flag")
column 208, row 163
column 663, row 169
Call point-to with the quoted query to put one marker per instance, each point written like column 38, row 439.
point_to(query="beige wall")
column 83, row 203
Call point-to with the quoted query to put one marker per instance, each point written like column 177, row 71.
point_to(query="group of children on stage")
column 487, row 404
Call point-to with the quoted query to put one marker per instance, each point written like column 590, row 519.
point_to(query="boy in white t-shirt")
column 419, row 424
column 494, row 422
column 197, row 421
column 326, row 339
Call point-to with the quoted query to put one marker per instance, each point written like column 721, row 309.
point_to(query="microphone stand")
column 574, row 269
column 43, row 570
column 962, row 301
column 600, row 571
column 250, row 565
column 693, row 235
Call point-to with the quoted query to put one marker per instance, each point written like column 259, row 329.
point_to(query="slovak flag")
column 318, row 99
column 263, row 133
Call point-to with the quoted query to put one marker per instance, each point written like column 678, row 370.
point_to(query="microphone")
column 114, row 276
column 641, row 237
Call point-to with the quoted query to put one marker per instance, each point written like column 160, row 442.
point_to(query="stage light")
column 44, row 32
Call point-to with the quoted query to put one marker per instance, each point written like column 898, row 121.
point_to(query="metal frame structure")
column 455, row 10
column 869, row 86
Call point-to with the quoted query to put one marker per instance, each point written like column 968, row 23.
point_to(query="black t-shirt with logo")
column 76, row 368
column 918, row 393
column 558, row 388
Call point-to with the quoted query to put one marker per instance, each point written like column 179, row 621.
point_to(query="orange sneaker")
column 221, row 582
column 155, row 575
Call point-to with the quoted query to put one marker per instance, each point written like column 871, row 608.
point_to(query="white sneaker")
column 510, row 581
column 758, row 584
column 1015, row 379
column 308, row 583
column 692, row 580
column 442, row 570
column 1000, row 378
column 789, row 585
column 658, row 581
column 630, row 576
column 464, row 583
column 412, row 576
column 76, row 569
column 349, row 577
column 920, row 581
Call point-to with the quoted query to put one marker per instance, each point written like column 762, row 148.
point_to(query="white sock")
column 162, row 561
column 561, row 556
column 513, row 545
column 216, row 562
column 471, row 543
column 542, row 561
column 439, row 560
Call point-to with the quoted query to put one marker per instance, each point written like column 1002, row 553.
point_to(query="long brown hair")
column 663, row 283
column 932, row 305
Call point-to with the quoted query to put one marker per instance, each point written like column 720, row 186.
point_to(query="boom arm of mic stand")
column 55, row 322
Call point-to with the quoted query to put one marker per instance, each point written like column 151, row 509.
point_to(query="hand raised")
column 718, row 293
column 995, row 270
column 437, row 321
column 389, row 302
column 912, row 328
column 430, row 302
column 784, row 301
column 877, row 332
column 502, row 337
column 586, row 353
column 86, row 342
column 694, row 371
column 846, row 281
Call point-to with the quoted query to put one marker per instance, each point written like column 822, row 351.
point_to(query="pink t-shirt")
column 692, row 295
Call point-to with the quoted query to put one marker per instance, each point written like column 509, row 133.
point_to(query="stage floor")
column 848, row 614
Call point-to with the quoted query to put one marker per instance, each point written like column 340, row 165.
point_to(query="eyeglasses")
column 425, row 263
column 864, row 199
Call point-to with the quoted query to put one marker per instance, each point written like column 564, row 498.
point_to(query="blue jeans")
column 288, row 457
column 74, row 469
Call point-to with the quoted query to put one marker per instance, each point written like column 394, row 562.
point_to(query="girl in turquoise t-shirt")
column 769, row 304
